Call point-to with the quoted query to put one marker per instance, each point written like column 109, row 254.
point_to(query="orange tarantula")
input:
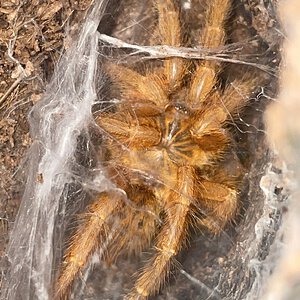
column 164, row 142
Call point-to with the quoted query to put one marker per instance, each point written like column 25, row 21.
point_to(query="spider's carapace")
column 164, row 142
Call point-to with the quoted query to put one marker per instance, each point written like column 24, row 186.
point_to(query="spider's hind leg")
column 86, row 240
column 218, row 203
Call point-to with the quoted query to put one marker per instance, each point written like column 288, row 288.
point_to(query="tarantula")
column 165, row 142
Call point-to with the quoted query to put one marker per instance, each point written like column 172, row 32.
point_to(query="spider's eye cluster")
column 180, row 108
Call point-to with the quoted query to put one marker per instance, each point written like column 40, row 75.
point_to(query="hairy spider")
column 165, row 143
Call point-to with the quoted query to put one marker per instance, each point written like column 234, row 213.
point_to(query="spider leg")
column 128, row 131
column 153, row 88
column 236, row 95
column 169, row 29
column 219, row 203
column 207, row 132
column 171, row 237
column 138, row 89
column 86, row 240
column 205, row 75
column 210, row 119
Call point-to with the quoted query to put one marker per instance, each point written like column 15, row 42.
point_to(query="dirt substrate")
column 33, row 36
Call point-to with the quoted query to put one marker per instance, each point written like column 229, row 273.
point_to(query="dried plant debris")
column 34, row 36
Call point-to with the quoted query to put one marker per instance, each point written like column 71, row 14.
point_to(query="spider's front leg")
column 169, row 29
column 208, row 123
column 171, row 237
column 213, row 36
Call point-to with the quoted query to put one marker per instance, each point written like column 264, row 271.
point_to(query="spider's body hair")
column 159, row 149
